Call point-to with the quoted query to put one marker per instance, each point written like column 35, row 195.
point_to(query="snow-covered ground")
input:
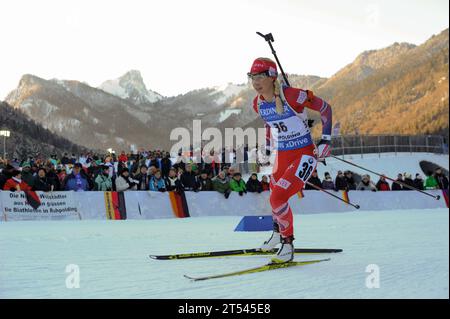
column 410, row 249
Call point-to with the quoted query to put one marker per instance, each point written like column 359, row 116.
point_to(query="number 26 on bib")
column 306, row 167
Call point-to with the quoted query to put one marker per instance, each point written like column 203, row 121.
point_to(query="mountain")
column 406, row 91
column 305, row 81
column 130, row 86
column 227, row 91
column 83, row 114
column 400, row 89
column 97, row 119
column 365, row 65
column 29, row 138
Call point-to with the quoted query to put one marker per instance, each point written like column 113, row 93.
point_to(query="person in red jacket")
column 382, row 185
column 265, row 183
column 15, row 183
column 123, row 157
column 283, row 110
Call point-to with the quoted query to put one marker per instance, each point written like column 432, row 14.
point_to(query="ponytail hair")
column 278, row 101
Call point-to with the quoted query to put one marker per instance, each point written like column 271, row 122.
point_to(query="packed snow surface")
column 409, row 248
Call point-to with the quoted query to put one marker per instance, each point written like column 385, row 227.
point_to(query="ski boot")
column 286, row 252
column 274, row 240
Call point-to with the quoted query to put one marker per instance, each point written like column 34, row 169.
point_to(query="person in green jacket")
column 221, row 184
column 237, row 184
column 103, row 181
column 431, row 182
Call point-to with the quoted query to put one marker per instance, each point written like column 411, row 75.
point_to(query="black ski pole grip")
column 268, row 37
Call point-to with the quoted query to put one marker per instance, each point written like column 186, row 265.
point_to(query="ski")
column 242, row 252
column 266, row 267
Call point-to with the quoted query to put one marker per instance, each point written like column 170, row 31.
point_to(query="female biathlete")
column 283, row 110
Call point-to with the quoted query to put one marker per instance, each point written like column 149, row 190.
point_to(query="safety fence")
column 377, row 144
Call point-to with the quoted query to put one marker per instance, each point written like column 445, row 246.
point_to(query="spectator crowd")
column 146, row 171
column 346, row 181
column 156, row 171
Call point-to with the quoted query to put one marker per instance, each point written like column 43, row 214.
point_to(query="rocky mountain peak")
column 131, row 86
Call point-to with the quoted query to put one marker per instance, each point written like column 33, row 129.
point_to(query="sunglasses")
column 258, row 76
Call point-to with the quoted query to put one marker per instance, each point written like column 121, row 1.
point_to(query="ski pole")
column 269, row 38
column 437, row 197
column 337, row 197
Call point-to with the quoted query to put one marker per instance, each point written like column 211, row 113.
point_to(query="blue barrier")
column 255, row 223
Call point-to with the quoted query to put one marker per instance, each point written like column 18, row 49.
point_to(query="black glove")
column 241, row 193
column 227, row 194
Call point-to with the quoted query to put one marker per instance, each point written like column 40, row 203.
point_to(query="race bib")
column 306, row 167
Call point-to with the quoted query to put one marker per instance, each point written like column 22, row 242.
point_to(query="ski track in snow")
column 410, row 247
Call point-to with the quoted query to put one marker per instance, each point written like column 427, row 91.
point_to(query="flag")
column 345, row 197
column 115, row 205
column 33, row 199
column 179, row 204
column 445, row 194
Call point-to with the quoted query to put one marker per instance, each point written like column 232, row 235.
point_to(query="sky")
column 181, row 45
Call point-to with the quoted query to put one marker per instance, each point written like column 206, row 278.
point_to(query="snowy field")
column 410, row 248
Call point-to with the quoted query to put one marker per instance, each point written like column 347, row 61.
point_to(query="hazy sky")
column 183, row 45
